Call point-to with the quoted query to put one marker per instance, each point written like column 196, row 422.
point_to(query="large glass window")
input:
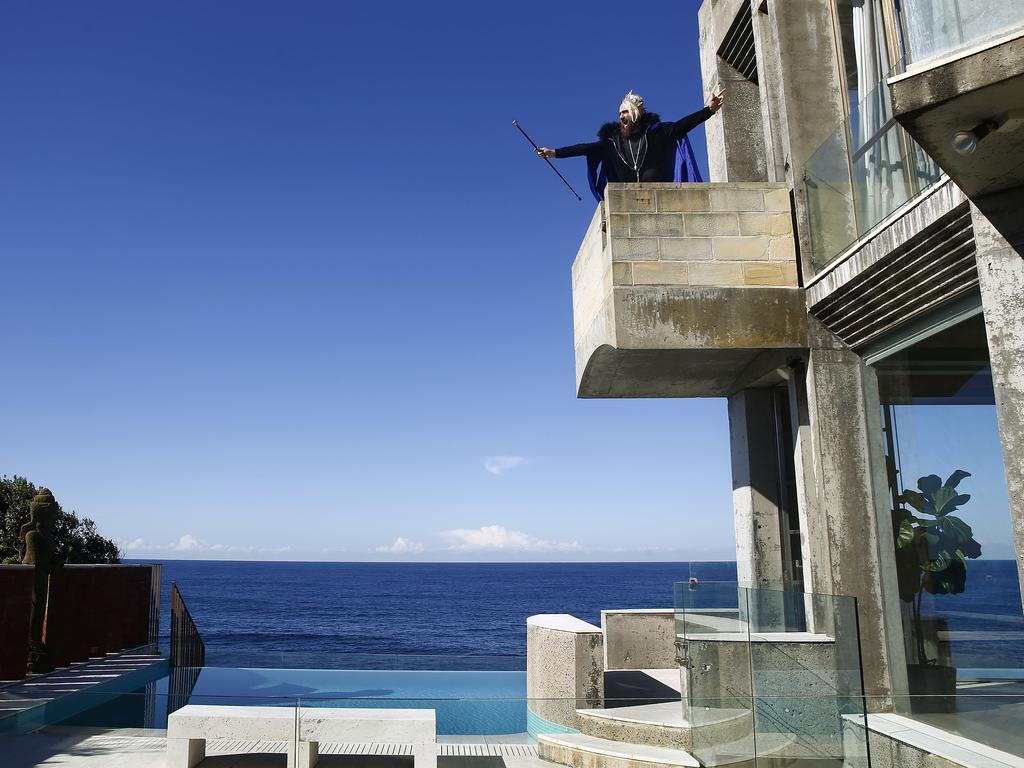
column 934, row 27
column 963, row 624
column 870, row 166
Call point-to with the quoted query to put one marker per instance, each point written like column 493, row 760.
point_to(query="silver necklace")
column 638, row 156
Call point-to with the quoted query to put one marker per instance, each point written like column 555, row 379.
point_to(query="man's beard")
column 626, row 127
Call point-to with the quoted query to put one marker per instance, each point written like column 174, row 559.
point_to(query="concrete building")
column 854, row 286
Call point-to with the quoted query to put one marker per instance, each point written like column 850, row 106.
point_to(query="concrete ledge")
column 939, row 97
column 564, row 667
column 678, row 288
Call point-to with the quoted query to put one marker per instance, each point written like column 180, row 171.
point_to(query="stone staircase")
column 658, row 736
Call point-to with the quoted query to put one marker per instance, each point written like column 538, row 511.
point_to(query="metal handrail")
column 188, row 653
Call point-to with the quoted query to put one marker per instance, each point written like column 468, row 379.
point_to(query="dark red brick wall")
column 92, row 610
column 15, row 604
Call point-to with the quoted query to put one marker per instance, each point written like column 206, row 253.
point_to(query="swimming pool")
column 466, row 702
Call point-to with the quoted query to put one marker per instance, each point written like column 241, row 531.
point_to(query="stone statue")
column 37, row 534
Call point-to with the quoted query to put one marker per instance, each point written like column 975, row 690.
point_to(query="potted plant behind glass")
column 932, row 549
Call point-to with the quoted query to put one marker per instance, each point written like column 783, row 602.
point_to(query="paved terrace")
column 114, row 672
column 138, row 748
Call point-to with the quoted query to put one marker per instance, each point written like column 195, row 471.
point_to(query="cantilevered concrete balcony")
column 957, row 90
column 685, row 290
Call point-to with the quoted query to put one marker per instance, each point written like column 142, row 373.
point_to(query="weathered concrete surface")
column 564, row 667
column 736, row 132
column 1001, row 279
column 677, row 287
column 847, row 534
column 954, row 93
column 639, row 639
column 755, row 502
column 811, row 107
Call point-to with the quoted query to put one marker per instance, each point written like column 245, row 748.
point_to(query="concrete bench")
column 417, row 727
column 190, row 727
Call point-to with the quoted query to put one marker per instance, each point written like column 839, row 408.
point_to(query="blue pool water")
column 465, row 702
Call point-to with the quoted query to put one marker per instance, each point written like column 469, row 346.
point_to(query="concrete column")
column 811, row 109
column 755, row 489
column 735, row 137
column 846, row 524
column 1001, row 280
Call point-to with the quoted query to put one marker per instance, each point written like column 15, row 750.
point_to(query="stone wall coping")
column 758, row 185
column 561, row 622
column 658, row 611
column 935, row 741
column 77, row 566
column 757, row 637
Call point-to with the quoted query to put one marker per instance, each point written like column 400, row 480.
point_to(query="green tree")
column 77, row 539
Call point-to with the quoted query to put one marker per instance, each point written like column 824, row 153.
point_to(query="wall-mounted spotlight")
column 965, row 142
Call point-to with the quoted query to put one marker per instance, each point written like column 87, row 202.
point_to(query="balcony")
column 685, row 290
column 967, row 68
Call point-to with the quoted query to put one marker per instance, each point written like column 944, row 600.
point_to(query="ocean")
column 325, row 615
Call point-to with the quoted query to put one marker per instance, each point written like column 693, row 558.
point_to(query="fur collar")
column 610, row 130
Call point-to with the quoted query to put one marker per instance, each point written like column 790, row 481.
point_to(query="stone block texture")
column 667, row 227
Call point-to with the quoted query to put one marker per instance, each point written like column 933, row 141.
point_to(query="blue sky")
column 282, row 280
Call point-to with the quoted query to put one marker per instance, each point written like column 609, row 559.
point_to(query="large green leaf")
column 940, row 562
column 951, row 580
column 905, row 534
column 929, row 484
column 917, row 501
column 956, row 528
column 971, row 549
column 954, row 480
column 947, row 500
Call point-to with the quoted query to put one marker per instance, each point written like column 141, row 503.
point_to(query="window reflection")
column 963, row 625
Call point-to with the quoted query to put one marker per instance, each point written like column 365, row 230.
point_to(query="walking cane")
column 546, row 160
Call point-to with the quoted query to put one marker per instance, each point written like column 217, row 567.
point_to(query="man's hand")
column 545, row 152
column 717, row 100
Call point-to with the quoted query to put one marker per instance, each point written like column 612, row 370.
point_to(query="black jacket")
column 656, row 151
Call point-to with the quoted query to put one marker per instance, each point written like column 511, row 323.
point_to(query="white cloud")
column 402, row 546
column 500, row 537
column 499, row 465
column 190, row 543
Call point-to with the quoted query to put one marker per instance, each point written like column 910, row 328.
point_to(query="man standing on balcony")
column 639, row 147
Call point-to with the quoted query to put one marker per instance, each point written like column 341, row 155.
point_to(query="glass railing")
column 785, row 716
column 862, row 173
column 771, row 674
column 933, row 27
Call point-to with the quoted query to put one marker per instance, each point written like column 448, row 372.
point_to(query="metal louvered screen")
column 737, row 49
column 934, row 267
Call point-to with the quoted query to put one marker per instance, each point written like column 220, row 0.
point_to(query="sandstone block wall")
column 736, row 234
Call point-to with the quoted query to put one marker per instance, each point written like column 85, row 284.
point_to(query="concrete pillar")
column 845, row 518
column 769, row 77
column 735, row 136
column 811, row 110
column 1001, row 280
column 755, row 489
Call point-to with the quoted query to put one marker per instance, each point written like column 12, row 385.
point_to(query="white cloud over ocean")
column 189, row 543
column 498, row 537
column 402, row 546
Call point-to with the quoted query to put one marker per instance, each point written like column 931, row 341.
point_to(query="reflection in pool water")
column 466, row 703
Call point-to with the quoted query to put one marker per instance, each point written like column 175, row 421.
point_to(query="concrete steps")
column 663, row 725
column 579, row 750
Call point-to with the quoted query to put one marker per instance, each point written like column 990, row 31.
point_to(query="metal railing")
column 188, row 653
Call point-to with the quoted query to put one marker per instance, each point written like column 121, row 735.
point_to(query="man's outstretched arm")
column 576, row 150
column 682, row 127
